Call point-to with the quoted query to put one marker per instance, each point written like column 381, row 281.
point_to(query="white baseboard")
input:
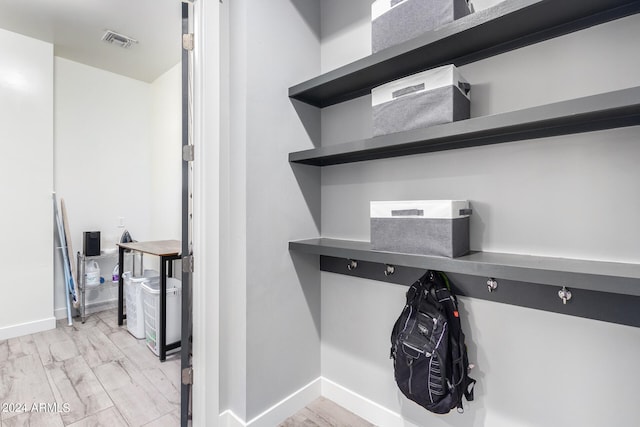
column 229, row 419
column 362, row 406
column 278, row 412
column 27, row 328
column 350, row 400
column 61, row 313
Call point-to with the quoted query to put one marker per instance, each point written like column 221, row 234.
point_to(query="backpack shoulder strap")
column 450, row 302
column 413, row 297
column 417, row 288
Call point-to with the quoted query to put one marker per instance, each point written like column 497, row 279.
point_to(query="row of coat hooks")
column 492, row 284
column 389, row 269
column 556, row 298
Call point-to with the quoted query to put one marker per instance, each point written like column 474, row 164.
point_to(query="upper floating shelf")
column 509, row 25
column 612, row 277
column 603, row 111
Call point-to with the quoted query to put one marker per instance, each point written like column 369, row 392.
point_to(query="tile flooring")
column 97, row 374
column 91, row 374
column 322, row 412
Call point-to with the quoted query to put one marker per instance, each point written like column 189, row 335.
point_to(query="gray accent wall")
column 271, row 316
column 570, row 196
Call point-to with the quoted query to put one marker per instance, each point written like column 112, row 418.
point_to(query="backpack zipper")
column 413, row 347
column 419, row 350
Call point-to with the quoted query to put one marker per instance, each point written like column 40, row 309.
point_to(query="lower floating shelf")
column 606, row 291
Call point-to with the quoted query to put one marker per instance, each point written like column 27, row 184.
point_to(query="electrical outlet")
column 121, row 221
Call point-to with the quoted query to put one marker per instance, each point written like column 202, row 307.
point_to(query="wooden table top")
column 158, row 247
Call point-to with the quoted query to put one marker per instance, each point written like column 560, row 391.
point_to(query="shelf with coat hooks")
column 607, row 291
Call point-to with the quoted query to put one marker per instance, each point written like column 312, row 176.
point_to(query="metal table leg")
column 163, row 309
column 80, row 286
column 121, row 316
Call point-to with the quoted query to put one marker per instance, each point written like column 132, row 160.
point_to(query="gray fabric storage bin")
column 396, row 21
column 432, row 97
column 427, row 227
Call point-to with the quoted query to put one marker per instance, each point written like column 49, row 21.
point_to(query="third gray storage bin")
column 427, row 227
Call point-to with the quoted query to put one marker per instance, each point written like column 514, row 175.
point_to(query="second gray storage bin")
column 421, row 100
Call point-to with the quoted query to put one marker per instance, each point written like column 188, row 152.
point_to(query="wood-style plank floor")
column 97, row 374
column 323, row 412
column 91, row 374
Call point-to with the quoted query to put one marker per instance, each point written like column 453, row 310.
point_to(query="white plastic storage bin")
column 133, row 300
column 427, row 227
column 396, row 21
column 151, row 300
column 432, row 97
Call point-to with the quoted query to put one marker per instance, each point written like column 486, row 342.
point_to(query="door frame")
column 206, row 212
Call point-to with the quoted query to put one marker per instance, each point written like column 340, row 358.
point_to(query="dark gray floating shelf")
column 598, row 276
column 597, row 112
column 509, row 25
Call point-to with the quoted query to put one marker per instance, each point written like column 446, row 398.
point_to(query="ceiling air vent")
column 117, row 39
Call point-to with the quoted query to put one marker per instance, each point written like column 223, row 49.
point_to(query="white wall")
column 166, row 155
column 103, row 160
column 549, row 197
column 26, row 170
column 112, row 150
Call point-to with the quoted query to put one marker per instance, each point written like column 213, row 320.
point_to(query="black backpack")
column 428, row 349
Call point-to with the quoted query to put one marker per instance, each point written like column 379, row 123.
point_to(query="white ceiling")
column 75, row 27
